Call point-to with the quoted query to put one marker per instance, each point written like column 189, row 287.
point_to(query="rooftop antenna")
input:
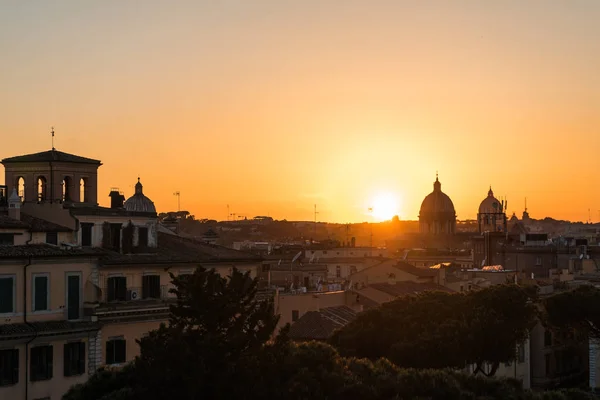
column 228, row 212
column 371, row 211
column 178, row 194
column 52, row 131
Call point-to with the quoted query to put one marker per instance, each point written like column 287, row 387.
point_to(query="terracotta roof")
column 320, row 325
column 408, row 287
column 173, row 248
column 9, row 331
column 44, row 250
column 41, row 225
column 51, row 155
column 10, row 223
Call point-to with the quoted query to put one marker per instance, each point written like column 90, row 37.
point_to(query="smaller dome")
column 490, row 205
column 139, row 202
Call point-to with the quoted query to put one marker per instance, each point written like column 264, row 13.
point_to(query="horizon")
column 272, row 108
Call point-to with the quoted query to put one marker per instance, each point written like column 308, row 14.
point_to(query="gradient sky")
column 273, row 106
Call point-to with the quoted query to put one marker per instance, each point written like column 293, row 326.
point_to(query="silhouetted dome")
column 490, row 204
column 437, row 202
column 138, row 202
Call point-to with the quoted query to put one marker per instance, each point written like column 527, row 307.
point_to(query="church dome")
column 139, row 202
column 490, row 204
column 437, row 202
column 437, row 214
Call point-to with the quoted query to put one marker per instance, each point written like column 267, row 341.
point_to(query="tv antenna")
column 52, row 131
column 178, row 194
column 315, row 227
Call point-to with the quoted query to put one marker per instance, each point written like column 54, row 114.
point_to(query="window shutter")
column 66, row 359
column 6, row 295
column 81, row 357
column 110, row 351
column 41, row 293
column 145, row 287
column 15, row 365
column 110, row 295
column 122, row 288
column 49, row 357
column 120, row 351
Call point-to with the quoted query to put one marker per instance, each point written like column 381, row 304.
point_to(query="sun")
column 384, row 206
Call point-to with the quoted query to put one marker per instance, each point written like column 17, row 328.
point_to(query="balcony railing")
column 135, row 294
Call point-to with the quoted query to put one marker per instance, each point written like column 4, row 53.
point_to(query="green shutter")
column 110, row 352
column 66, row 359
column 41, row 293
column 15, row 365
column 6, row 295
column 49, row 359
column 81, row 357
column 121, row 351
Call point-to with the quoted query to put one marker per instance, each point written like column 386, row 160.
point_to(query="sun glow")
column 384, row 206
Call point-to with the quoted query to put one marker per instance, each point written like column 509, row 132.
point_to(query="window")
column 52, row 238
column 142, row 237
column 115, row 236
column 74, row 358
column 7, row 294
column 295, row 315
column 40, row 292
column 538, row 261
column 7, row 239
column 548, row 362
column 9, row 367
column 151, row 287
column 86, row 234
column 338, row 272
column 547, row 338
column 41, row 363
column 117, row 288
column 115, row 351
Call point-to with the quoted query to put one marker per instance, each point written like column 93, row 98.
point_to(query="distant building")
column 491, row 216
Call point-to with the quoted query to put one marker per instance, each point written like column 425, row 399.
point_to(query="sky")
column 273, row 106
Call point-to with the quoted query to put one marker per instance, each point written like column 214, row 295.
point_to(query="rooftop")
column 51, row 155
column 405, row 288
column 41, row 225
column 9, row 331
column 172, row 248
column 10, row 223
column 320, row 325
column 45, row 250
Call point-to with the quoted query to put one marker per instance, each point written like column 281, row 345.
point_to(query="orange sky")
column 273, row 106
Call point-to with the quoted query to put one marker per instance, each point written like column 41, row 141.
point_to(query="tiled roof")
column 320, row 325
column 41, row 225
column 10, row 223
column 411, row 269
column 46, row 328
column 51, row 155
column 178, row 249
column 44, row 250
column 408, row 287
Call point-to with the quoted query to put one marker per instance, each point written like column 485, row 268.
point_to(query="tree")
column 438, row 330
column 576, row 309
column 216, row 322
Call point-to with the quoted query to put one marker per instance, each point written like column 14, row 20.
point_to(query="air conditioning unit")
column 133, row 295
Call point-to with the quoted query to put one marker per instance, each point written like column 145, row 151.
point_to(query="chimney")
column 14, row 205
column 116, row 198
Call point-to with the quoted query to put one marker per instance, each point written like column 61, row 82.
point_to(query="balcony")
column 133, row 300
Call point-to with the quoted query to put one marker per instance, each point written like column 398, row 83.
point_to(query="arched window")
column 21, row 187
column 67, row 185
column 83, row 190
column 41, row 188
